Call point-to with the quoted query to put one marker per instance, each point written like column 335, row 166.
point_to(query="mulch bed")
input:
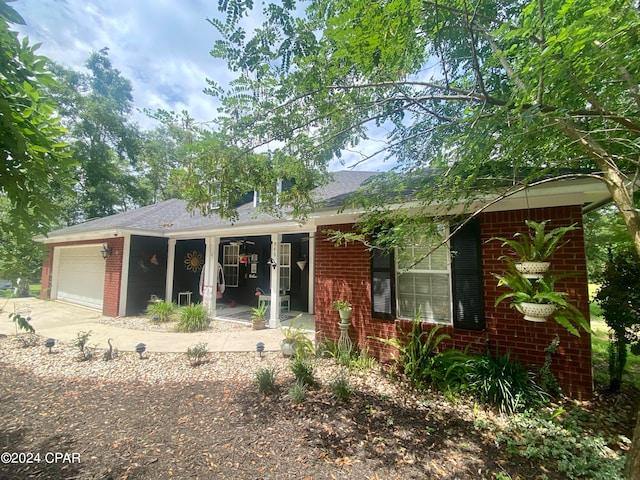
column 220, row 427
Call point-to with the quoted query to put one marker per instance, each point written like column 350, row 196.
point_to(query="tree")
column 95, row 108
column 494, row 93
column 35, row 164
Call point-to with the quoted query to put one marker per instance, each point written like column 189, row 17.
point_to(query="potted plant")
column 258, row 316
column 295, row 339
column 535, row 248
column 344, row 309
column 537, row 299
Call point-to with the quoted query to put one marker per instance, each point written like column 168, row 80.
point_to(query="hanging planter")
column 536, row 312
column 533, row 269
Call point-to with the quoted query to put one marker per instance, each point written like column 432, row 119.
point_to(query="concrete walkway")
column 63, row 321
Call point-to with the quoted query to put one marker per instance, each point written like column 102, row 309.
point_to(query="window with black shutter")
column 466, row 281
column 382, row 285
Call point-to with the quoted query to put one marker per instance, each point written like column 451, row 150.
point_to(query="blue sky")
column 161, row 46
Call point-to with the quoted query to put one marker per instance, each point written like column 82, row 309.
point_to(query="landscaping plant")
column 197, row 353
column 81, row 341
column 302, row 369
column 619, row 298
column 193, row 318
column 161, row 311
column 504, row 383
column 297, row 392
column 341, row 388
column 265, row 380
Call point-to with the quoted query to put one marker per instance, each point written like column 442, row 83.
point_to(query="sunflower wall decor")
column 193, row 261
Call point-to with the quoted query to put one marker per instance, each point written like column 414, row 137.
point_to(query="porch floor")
column 242, row 314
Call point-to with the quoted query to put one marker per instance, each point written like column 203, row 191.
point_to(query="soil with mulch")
column 159, row 417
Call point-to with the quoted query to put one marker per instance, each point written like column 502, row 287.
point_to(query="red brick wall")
column 112, row 276
column 344, row 272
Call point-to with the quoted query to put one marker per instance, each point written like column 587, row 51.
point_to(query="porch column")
column 274, row 317
column 210, row 285
column 171, row 261
column 312, row 271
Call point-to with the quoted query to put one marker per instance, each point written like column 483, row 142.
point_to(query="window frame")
column 230, row 268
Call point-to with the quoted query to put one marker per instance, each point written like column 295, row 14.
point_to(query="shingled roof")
column 173, row 215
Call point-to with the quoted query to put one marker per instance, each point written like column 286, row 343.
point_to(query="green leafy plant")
column 197, row 354
column 297, row 392
column 548, row 381
column 161, row 311
column 259, row 313
column 342, row 305
column 22, row 322
column 543, row 291
column 341, row 389
column 265, row 380
column 296, row 336
column 81, row 341
column 537, row 245
column 504, row 383
column 193, row 318
column 303, row 370
column 619, row 297
column 562, row 443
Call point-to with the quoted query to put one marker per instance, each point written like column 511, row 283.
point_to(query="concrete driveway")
column 63, row 321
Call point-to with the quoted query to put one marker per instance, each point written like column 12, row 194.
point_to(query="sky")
column 161, row 46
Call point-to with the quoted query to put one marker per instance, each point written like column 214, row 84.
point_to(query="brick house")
column 117, row 263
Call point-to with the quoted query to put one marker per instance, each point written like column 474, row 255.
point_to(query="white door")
column 79, row 275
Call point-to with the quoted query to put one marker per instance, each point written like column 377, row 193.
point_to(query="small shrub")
column 562, row 444
column 27, row 341
column 266, row 380
column 297, row 392
column 302, row 369
column 504, row 383
column 193, row 318
column 161, row 311
column 22, row 322
column 341, row 388
column 197, row 353
column 81, row 341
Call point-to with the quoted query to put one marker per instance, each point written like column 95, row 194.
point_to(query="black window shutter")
column 382, row 286
column 466, row 272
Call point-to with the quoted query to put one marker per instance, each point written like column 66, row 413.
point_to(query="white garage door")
column 80, row 275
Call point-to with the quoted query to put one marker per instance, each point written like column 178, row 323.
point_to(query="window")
column 423, row 283
column 230, row 264
column 285, row 267
column 446, row 285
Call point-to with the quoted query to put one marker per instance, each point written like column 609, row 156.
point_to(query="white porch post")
column 274, row 318
column 312, row 271
column 171, row 260
column 211, row 275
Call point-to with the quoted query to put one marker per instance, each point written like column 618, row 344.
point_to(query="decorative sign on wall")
column 193, row 261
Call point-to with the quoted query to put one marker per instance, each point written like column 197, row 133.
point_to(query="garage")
column 79, row 275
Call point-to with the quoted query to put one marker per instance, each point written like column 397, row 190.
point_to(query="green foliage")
column 265, row 380
column 22, row 322
column 193, row 318
column 259, row 313
column 604, row 229
column 303, row 370
column 504, row 383
column 298, row 392
column 197, row 354
column 548, row 381
column 296, row 335
column 162, row 310
column 341, row 389
column 35, row 164
column 537, row 245
column 81, row 341
column 542, row 290
column 420, row 361
column 562, row 444
column 619, row 297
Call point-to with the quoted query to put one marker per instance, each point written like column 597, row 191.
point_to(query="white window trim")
column 399, row 271
column 231, row 266
column 285, row 268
